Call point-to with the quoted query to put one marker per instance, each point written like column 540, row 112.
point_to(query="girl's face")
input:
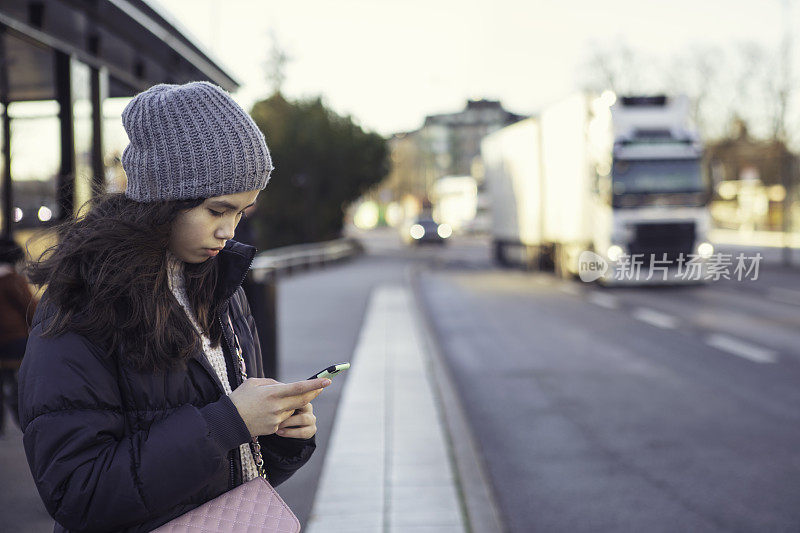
column 201, row 232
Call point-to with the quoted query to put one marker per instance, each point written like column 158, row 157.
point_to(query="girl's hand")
column 301, row 425
column 264, row 404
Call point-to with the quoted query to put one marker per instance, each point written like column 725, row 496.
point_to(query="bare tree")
column 762, row 89
column 696, row 73
column 615, row 67
column 747, row 82
column 784, row 80
column 277, row 60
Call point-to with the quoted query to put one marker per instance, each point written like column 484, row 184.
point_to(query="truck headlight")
column 444, row 231
column 417, row 231
column 705, row 250
column 614, row 252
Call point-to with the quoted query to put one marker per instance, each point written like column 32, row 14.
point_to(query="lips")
column 212, row 251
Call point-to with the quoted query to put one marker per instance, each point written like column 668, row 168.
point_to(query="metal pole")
column 98, row 79
column 66, row 177
column 262, row 296
column 788, row 202
column 8, row 196
column 8, row 191
column 787, row 168
column 787, row 179
column 269, row 327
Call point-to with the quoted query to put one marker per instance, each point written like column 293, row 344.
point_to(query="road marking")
column 784, row 296
column 655, row 318
column 742, row 349
column 603, row 300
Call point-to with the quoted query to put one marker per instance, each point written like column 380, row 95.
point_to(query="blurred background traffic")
column 597, row 205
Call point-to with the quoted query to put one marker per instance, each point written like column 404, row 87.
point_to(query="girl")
column 132, row 401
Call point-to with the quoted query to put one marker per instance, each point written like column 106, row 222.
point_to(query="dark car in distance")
column 426, row 230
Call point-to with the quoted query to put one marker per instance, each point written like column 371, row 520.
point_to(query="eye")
column 215, row 213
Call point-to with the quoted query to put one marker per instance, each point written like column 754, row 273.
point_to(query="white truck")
column 618, row 177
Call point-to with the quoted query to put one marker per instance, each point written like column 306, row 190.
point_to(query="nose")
column 225, row 230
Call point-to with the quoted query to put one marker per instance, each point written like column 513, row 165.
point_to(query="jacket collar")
column 234, row 262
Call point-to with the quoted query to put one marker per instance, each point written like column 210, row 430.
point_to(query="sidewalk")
column 389, row 460
column 388, row 466
column 22, row 511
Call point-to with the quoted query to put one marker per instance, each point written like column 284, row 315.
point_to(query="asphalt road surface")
column 638, row 409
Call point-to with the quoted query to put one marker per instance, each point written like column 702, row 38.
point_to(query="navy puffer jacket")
column 113, row 449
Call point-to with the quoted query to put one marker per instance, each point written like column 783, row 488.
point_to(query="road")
column 637, row 409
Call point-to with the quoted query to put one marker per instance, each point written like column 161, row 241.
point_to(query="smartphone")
column 331, row 371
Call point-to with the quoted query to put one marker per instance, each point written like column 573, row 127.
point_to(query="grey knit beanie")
column 191, row 141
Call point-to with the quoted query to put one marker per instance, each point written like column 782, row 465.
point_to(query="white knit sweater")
column 215, row 356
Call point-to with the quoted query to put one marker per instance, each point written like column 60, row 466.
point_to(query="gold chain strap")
column 255, row 447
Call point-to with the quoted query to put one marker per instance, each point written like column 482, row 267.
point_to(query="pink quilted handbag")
column 252, row 506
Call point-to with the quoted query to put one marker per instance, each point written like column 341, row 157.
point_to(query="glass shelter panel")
column 82, row 127
column 35, row 161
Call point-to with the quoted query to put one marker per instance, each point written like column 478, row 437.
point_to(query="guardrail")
column 260, row 286
column 290, row 258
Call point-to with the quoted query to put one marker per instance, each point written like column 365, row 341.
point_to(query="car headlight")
column 417, row 231
column 444, row 231
column 614, row 252
column 705, row 250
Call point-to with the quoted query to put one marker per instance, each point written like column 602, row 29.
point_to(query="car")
column 426, row 230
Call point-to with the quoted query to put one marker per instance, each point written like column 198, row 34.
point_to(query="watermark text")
column 661, row 267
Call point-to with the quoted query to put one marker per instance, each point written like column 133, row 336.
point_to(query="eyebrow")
column 228, row 205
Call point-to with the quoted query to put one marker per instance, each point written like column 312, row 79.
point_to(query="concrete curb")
column 387, row 466
column 479, row 505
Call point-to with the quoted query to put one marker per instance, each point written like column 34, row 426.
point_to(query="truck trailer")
column 601, row 180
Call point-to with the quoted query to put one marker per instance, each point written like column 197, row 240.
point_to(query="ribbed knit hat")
column 191, row 141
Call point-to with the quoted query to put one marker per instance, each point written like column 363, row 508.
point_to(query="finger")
column 266, row 382
column 283, row 417
column 294, row 419
column 299, row 402
column 298, row 433
column 305, row 409
column 311, row 396
column 294, row 404
column 262, row 381
column 299, row 388
column 298, row 420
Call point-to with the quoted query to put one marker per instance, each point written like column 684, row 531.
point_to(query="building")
column 67, row 68
column 446, row 145
column 753, row 182
column 455, row 138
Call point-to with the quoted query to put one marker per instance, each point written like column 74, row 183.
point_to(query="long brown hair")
column 107, row 280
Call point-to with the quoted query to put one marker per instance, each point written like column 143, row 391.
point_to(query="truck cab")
column 654, row 189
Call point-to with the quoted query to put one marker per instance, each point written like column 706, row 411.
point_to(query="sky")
column 389, row 63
